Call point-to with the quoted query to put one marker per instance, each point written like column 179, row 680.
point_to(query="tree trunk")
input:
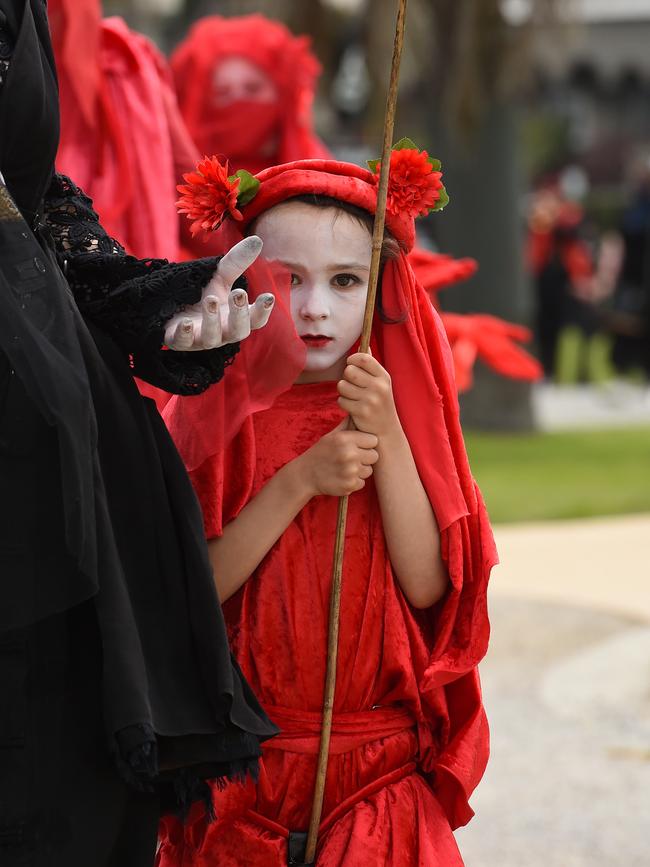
column 484, row 220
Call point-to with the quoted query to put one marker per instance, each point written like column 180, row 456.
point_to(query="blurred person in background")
column 246, row 87
column 562, row 266
column 122, row 136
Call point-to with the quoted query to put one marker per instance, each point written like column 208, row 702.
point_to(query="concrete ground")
column 567, row 688
column 611, row 404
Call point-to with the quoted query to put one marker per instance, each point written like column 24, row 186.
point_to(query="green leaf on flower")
column 442, row 201
column 373, row 164
column 405, row 144
column 435, row 164
column 248, row 186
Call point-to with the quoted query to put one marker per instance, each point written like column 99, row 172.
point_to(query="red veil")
column 416, row 353
column 237, row 131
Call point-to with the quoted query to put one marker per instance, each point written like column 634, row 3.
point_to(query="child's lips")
column 314, row 341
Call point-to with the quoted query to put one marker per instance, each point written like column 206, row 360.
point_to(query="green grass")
column 539, row 477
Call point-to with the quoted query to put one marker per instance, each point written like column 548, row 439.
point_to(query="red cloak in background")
column 123, row 140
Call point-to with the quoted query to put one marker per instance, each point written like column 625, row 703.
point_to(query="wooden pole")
column 337, row 567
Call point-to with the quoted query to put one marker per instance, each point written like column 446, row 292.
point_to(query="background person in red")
column 122, row 136
column 245, row 88
column 563, row 269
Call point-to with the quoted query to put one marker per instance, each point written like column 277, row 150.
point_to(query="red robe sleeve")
column 450, row 689
column 450, row 639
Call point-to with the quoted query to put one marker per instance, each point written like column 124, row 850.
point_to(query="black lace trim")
column 74, row 224
column 185, row 373
column 132, row 299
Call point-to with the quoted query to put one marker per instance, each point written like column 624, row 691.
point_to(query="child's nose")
column 314, row 304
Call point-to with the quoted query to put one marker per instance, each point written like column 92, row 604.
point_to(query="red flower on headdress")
column 414, row 185
column 209, row 196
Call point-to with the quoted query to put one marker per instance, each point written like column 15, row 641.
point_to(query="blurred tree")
column 471, row 63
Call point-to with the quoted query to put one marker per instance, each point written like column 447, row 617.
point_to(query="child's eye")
column 295, row 280
column 345, row 280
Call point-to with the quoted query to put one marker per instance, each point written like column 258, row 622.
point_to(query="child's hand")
column 340, row 462
column 367, row 394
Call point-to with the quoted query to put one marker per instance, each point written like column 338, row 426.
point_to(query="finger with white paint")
column 210, row 322
column 260, row 311
column 182, row 336
column 238, row 259
column 239, row 320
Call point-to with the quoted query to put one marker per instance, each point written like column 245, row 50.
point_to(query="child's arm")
column 409, row 524
column 337, row 464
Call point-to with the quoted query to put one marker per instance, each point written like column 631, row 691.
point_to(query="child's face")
column 327, row 252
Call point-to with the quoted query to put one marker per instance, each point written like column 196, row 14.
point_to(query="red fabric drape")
column 474, row 336
column 436, row 271
column 494, row 341
column 122, row 137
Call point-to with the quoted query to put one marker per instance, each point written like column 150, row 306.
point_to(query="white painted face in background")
column 327, row 252
column 236, row 79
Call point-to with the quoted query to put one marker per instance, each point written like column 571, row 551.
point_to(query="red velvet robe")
column 410, row 739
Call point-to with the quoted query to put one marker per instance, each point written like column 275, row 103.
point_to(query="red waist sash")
column 300, row 730
column 300, row 733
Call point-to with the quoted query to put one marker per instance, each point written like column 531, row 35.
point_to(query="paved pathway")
column 600, row 562
column 608, row 405
column 567, row 686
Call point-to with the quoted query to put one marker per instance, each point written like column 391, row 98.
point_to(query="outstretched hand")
column 222, row 316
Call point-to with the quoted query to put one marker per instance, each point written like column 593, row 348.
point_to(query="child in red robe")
column 410, row 738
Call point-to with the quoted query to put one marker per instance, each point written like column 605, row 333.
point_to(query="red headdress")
column 244, row 132
column 416, row 353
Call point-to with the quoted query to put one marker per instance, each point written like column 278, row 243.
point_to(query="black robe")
column 99, row 506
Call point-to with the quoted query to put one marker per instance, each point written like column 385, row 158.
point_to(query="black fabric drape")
column 124, row 528
column 176, row 706
column 29, row 107
column 48, row 383
column 39, row 322
column 164, row 612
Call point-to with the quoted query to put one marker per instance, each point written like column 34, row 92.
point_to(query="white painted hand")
column 222, row 316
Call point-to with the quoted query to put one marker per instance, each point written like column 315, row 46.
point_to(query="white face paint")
column 236, row 78
column 327, row 252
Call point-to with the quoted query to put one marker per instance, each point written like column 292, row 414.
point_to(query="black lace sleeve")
column 132, row 299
